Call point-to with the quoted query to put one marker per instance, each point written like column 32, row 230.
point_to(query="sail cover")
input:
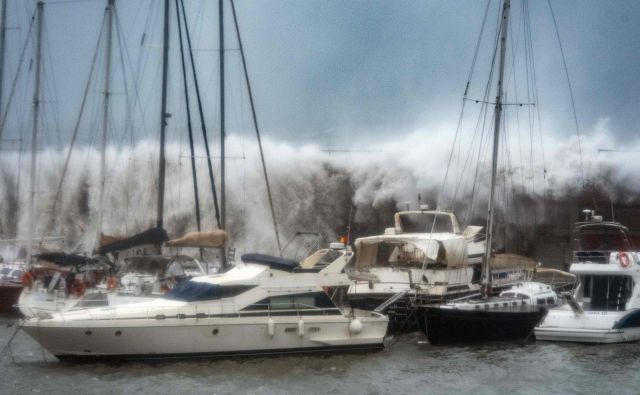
column 65, row 259
column 155, row 236
column 211, row 239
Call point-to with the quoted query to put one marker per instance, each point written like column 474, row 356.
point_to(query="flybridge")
column 426, row 221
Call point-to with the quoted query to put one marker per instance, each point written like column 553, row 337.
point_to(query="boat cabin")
column 426, row 221
column 606, row 287
column 593, row 240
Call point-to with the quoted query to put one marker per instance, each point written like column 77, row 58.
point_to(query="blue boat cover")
column 191, row 291
column 273, row 262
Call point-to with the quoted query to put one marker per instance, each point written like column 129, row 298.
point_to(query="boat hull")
column 594, row 336
column 207, row 337
column 596, row 327
column 451, row 325
column 9, row 295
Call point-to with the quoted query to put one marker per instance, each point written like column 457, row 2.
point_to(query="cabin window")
column 294, row 303
column 551, row 300
column 600, row 239
column 191, row 291
column 425, row 222
column 606, row 293
column 541, row 301
column 523, row 296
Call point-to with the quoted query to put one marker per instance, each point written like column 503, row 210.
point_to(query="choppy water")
column 408, row 366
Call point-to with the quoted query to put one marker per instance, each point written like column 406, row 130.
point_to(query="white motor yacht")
column 425, row 256
column 605, row 307
column 266, row 305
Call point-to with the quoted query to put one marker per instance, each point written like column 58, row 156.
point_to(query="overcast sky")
column 330, row 71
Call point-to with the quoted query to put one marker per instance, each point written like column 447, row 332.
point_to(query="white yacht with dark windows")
column 266, row 305
column 605, row 307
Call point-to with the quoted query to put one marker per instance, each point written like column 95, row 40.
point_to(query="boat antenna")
column 255, row 124
column 34, row 131
column 163, row 118
column 496, row 142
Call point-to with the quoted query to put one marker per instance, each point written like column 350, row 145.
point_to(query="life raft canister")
column 27, row 279
column 78, row 288
column 624, row 259
column 112, row 283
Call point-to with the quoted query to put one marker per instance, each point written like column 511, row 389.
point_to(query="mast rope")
column 189, row 127
column 464, row 100
column 202, row 121
column 573, row 104
column 255, row 124
column 15, row 80
column 74, row 136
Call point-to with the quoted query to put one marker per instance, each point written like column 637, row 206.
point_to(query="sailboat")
column 502, row 318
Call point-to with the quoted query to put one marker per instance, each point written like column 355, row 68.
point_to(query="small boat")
column 59, row 280
column 510, row 316
column 427, row 257
column 604, row 308
column 489, row 318
column 267, row 305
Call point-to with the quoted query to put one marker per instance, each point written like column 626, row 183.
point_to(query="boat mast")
column 105, row 115
column 496, row 141
column 163, row 117
column 222, row 131
column 223, row 200
column 3, row 29
column 34, row 132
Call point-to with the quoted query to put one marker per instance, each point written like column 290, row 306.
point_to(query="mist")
column 351, row 193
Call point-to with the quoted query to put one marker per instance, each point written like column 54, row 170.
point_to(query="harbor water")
column 409, row 365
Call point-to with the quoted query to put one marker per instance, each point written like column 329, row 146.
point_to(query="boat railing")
column 592, row 256
column 161, row 312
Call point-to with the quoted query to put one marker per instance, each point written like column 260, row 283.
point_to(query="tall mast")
column 3, row 28
column 105, row 114
column 223, row 199
column 496, row 141
column 255, row 124
column 163, row 116
column 34, row 132
column 222, row 131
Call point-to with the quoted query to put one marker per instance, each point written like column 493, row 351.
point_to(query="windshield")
column 602, row 240
column 191, row 291
column 425, row 223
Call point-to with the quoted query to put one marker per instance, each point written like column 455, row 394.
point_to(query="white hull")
column 598, row 327
column 34, row 301
column 595, row 336
column 150, row 338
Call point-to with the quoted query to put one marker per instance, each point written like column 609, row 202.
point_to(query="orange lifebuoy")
column 27, row 279
column 78, row 288
column 624, row 259
column 112, row 283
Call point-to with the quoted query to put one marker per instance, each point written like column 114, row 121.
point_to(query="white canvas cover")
column 211, row 239
column 450, row 250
